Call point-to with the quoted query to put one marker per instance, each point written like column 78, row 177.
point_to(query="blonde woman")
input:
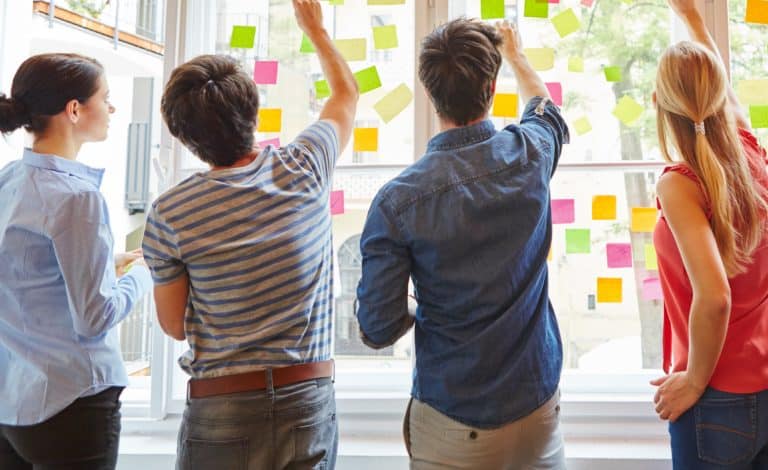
column 713, row 262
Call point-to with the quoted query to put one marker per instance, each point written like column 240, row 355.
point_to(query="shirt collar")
column 462, row 136
column 62, row 165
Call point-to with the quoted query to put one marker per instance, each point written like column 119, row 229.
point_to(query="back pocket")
column 199, row 454
column 726, row 427
column 315, row 445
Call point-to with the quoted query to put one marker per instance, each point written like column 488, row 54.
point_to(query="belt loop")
column 333, row 371
column 189, row 385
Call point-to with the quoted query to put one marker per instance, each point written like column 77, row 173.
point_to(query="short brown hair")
column 210, row 104
column 458, row 64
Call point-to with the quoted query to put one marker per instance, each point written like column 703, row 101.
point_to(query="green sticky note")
column 351, row 49
column 752, row 92
column 306, row 45
column 540, row 58
column 536, row 9
column 627, row 110
column 759, row 116
column 577, row 240
column 368, row 79
column 336, row 2
column 243, row 37
column 575, row 64
column 566, row 23
column 582, row 125
column 322, row 89
column 612, row 73
column 490, row 9
column 385, row 37
column 394, row 103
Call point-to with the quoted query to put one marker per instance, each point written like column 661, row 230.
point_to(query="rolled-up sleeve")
column 543, row 124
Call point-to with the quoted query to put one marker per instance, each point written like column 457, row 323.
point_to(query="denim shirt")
column 59, row 297
column 470, row 223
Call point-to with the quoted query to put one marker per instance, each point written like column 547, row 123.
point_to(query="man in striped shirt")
column 241, row 257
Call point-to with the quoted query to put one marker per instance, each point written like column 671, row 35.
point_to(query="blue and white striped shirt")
column 256, row 244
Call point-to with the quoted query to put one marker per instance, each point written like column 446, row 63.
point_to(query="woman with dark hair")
column 62, row 291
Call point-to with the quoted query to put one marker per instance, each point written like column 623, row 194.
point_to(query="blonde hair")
column 691, row 88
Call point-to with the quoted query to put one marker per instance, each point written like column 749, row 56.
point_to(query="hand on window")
column 309, row 16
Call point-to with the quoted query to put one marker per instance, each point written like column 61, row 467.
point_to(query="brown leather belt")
column 200, row 388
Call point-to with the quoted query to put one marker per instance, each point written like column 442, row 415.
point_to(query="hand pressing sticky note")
column 577, row 240
column 609, row 290
column 582, row 125
column 393, row 103
column 351, row 49
column 270, row 120
column 575, row 64
column 504, row 105
column 566, row 23
column 612, row 73
column 652, row 289
column 604, row 208
column 536, row 9
column 643, row 219
column 243, row 37
column 619, row 255
column 757, row 12
column 627, row 110
column 555, row 92
column 491, row 9
column 563, row 211
column 540, row 58
column 265, row 72
column 385, row 37
column 366, row 139
column 759, row 116
column 337, row 202
column 651, row 262
column 368, row 79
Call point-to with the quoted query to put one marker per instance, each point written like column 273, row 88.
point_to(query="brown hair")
column 211, row 105
column 458, row 65
column 42, row 87
column 691, row 88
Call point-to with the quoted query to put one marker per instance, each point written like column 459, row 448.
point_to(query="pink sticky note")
column 273, row 142
column 652, row 289
column 587, row 3
column 563, row 211
column 619, row 255
column 337, row 202
column 265, row 72
column 554, row 1
column 556, row 92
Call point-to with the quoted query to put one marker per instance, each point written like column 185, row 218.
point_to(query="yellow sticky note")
column 609, row 289
column 575, row 64
column 604, row 207
column 627, row 110
column 504, row 105
column 582, row 125
column 549, row 256
column 394, row 102
column 566, row 22
column 385, row 37
column 351, row 49
column 752, row 91
column 643, row 219
column 270, row 120
column 650, row 257
column 366, row 139
column 757, row 11
column 540, row 58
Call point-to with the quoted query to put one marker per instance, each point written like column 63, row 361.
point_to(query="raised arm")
column 511, row 49
column 340, row 108
column 686, row 10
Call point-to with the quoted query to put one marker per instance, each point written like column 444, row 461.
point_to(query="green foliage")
column 89, row 8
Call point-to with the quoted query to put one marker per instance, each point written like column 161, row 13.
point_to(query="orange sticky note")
column 643, row 219
column 757, row 11
column 609, row 290
column 604, row 208
column 270, row 120
column 504, row 105
column 366, row 139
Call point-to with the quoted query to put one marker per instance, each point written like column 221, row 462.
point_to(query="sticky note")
column 490, row 9
column 757, row 11
column 612, row 73
column 643, row 219
column 627, row 110
column 336, row 2
column 322, row 89
column 563, row 211
column 366, row 139
column 393, row 103
column 575, row 64
column 504, row 105
column 549, row 255
column 337, row 202
column 652, row 289
column 555, row 92
column 351, row 49
column 368, row 79
column 243, row 37
column 587, row 3
column 577, row 240
column 386, row 2
column 566, row 22
column 270, row 120
column 609, row 289
column 651, row 262
column 582, row 125
column 759, row 116
column 752, row 92
column 273, row 142
column 385, row 37
column 540, row 58
column 591, row 302
column 265, row 72
column 536, row 9
column 619, row 255
column 306, row 45
column 604, row 207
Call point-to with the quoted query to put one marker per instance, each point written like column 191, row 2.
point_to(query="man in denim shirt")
column 470, row 223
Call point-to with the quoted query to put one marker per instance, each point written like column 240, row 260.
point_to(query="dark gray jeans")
column 291, row 427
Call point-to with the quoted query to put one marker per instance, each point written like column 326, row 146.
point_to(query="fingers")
column 659, row 381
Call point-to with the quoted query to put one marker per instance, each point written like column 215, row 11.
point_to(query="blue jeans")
column 722, row 431
column 291, row 427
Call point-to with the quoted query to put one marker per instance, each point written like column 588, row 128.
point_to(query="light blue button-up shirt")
column 59, row 296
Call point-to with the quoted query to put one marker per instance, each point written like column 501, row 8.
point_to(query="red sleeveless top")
column 743, row 364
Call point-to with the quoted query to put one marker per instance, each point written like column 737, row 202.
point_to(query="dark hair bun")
column 13, row 115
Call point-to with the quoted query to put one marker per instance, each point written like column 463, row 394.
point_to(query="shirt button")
column 473, row 434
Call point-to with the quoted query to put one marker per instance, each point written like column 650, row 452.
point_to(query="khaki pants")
column 435, row 441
